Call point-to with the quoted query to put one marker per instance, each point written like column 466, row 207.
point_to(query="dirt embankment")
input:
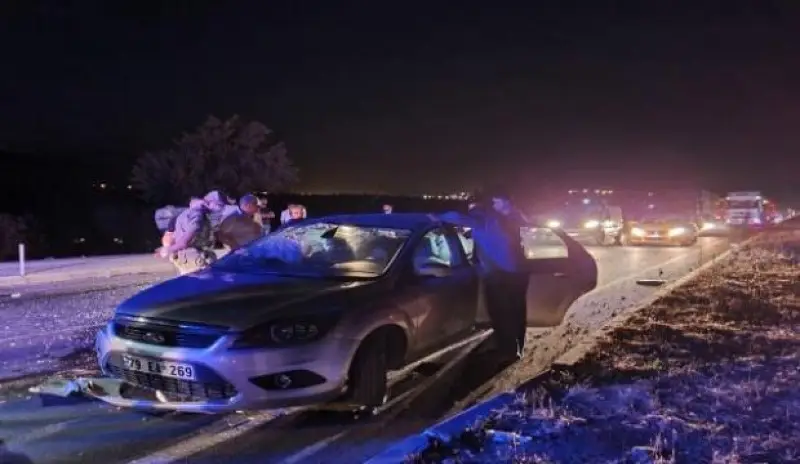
column 708, row 373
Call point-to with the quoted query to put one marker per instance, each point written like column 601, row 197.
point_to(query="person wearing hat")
column 240, row 227
column 496, row 231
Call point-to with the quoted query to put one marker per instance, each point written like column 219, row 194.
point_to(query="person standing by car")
column 241, row 227
column 190, row 249
column 265, row 215
column 496, row 232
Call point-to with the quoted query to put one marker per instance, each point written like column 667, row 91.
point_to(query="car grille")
column 163, row 336
column 180, row 388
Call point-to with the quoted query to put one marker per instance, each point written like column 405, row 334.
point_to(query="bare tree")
column 231, row 155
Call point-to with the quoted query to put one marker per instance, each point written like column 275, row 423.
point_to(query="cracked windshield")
column 319, row 248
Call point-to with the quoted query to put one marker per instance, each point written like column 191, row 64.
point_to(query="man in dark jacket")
column 496, row 231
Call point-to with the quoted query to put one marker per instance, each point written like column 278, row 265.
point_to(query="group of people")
column 190, row 236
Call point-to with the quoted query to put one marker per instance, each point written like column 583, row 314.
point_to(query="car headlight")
column 554, row 224
column 591, row 224
column 637, row 232
column 609, row 223
column 283, row 332
column 708, row 225
column 675, row 231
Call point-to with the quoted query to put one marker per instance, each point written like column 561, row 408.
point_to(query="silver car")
column 318, row 312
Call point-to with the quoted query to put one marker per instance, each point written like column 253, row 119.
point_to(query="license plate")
column 173, row 370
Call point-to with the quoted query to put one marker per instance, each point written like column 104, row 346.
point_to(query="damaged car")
column 320, row 312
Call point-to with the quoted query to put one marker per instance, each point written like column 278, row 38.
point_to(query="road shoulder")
column 707, row 372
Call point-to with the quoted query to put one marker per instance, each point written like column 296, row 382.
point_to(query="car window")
column 542, row 243
column 467, row 243
column 435, row 248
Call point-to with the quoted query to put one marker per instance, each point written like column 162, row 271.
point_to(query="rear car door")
column 561, row 271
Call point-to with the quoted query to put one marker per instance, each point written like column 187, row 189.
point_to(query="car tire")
column 367, row 389
column 601, row 239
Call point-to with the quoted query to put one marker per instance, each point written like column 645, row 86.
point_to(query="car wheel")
column 367, row 378
column 601, row 239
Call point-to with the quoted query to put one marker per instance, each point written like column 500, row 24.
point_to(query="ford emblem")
column 153, row 337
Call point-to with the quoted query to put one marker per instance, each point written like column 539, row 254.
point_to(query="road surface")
column 95, row 432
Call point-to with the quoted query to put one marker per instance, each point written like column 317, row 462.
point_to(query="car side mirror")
column 432, row 269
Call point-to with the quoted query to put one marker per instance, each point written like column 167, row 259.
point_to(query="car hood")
column 660, row 224
column 239, row 301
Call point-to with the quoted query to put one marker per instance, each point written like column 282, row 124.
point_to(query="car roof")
column 410, row 221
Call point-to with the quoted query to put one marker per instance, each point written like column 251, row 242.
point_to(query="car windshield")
column 578, row 213
column 743, row 204
column 319, row 248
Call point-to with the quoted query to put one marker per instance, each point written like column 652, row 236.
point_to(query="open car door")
column 561, row 271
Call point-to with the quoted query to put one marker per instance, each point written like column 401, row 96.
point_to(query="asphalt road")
column 94, row 432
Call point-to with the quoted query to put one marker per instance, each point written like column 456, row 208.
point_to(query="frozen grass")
column 707, row 374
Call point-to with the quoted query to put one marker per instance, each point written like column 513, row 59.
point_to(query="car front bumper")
column 651, row 239
column 228, row 380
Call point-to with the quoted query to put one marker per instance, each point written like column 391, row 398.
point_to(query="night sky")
column 407, row 97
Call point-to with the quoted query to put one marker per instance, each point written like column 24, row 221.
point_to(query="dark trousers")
column 506, row 303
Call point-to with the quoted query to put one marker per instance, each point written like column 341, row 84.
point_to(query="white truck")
column 744, row 209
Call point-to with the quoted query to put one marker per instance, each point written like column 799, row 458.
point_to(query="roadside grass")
column 706, row 374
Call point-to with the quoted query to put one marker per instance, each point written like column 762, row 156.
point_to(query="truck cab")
column 744, row 209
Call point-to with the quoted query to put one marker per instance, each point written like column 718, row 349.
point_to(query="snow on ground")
column 708, row 373
column 45, row 330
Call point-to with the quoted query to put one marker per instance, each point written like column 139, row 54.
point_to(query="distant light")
column 586, row 201
column 103, row 185
column 585, row 190
column 597, row 192
column 651, row 206
column 130, row 187
column 649, row 194
column 610, row 192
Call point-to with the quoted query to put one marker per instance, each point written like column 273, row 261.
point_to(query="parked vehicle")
column 320, row 311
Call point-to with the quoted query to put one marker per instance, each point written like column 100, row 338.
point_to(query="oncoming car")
column 319, row 312
column 663, row 231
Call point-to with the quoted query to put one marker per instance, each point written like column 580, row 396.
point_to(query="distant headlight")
column 287, row 332
column 708, row 226
column 554, row 224
column 591, row 224
column 676, row 231
column 637, row 232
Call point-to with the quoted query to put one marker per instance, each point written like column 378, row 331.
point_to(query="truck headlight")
column 676, row 231
column 295, row 331
column 637, row 232
column 591, row 224
column 553, row 223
